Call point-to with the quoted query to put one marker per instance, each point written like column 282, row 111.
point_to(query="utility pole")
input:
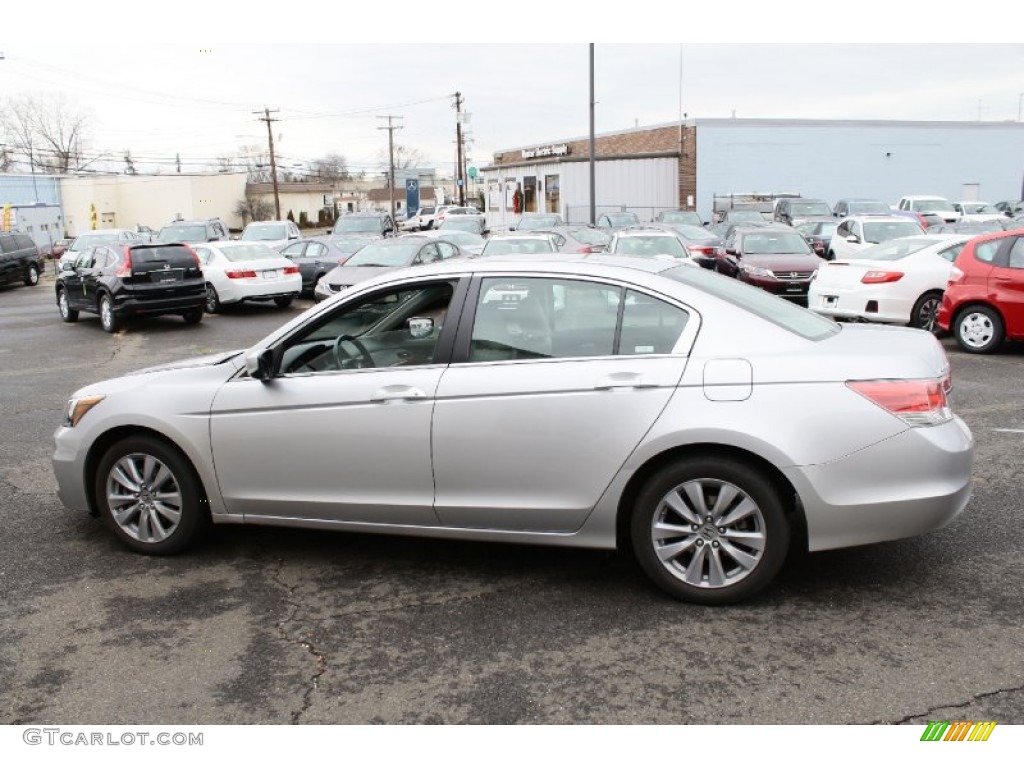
column 593, row 200
column 391, row 128
column 273, row 165
column 460, row 177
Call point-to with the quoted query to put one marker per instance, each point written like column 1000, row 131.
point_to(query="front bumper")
column 913, row 483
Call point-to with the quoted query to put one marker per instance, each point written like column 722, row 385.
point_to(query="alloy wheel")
column 144, row 497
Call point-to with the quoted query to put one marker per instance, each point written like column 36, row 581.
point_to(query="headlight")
column 78, row 407
column 756, row 271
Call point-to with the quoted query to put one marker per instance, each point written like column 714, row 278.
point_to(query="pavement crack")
column 303, row 640
column 927, row 714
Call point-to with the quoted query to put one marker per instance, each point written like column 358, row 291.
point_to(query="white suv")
column 855, row 233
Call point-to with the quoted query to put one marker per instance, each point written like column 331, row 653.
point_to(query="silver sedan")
column 704, row 425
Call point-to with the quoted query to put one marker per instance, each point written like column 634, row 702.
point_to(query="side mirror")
column 420, row 327
column 259, row 364
column 511, row 229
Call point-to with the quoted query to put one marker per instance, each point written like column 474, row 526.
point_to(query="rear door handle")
column 625, row 380
column 397, row 393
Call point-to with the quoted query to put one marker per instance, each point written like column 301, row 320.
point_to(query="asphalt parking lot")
column 286, row 626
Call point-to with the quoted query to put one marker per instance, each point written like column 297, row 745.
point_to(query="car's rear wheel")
column 150, row 496
column 925, row 311
column 67, row 314
column 978, row 329
column 283, row 302
column 108, row 320
column 710, row 531
column 193, row 316
column 213, row 304
column 32, row 275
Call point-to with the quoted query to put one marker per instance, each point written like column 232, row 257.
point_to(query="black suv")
column 202, row 231
column 119, row 281
column 20, row 260
column 369, row 225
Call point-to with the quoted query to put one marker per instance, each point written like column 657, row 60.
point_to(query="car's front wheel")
column 710, row 530
column 978, row 329
column 32, row 275
column 67, row 314
column 150, row 496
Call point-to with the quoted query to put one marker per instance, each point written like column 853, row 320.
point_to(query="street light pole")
column 593, row 198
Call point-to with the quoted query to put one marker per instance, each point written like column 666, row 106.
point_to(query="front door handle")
column 625, row 380
column 397, row 393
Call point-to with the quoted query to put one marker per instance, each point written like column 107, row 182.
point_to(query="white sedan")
column 899, row 281
column 246, row 271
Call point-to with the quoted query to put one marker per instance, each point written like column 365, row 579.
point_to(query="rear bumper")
column 139, row 305
column 852, row 303
column 910, row 484
column 264, row 290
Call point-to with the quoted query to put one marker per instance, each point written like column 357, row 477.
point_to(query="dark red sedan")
column 984, row 301
column 778, row 260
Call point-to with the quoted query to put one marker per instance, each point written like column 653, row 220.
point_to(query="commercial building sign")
column 552, row 150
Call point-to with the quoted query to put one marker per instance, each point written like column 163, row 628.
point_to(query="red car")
column 984, row 301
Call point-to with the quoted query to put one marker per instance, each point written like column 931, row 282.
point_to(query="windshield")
column 466, row 225
column 810, row 208
column 765, row 305
column 680, row 217
column 386, row 254
column 754, row 216
column 459, row 237
column 931, row 204
column 537, row 222
column 868, row 206
column 360, row 224
column 517, row 245
column 648, row 245
column 178, row 234
column 248, row 252
column 980, row 208
column 265, row 232
column 880, row 231
column 622, row 219
column 774, row 242
column 894, row 250
column 91, row 241
column 591, row 236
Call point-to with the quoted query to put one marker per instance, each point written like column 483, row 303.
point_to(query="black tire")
column 67, row 314
column 979, row 329
column 179, row 492
column 925, row 312
column 213, row 305
column 32, row 275
column 109, row 321
column 830, row 255
column 193, row 316
column 681, row 555
column 283, row 302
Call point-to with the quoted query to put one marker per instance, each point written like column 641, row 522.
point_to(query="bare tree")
column 225, row 164
column 404, row 157
column 51, row 133
column 253, row 208
column 256, row 161
column 331, row 167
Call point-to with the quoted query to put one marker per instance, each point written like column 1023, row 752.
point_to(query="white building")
column 684, row 165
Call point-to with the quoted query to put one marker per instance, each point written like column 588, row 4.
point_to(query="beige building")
column 154, row 201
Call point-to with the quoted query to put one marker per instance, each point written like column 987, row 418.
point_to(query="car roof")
column 876, row 217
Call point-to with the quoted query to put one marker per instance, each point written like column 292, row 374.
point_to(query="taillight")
column 236, row 274
column 920, row 403
column 199, row 264
column 289, row 271
column 702, row 251
column 586, row 249
column 125, row 270
column 880, row 276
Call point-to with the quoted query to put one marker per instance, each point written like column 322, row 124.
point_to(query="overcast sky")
column 158, row 98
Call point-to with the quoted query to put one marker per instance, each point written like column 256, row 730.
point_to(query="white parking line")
column 1018, row 431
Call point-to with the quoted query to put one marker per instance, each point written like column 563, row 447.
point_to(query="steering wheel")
column 363, row 351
